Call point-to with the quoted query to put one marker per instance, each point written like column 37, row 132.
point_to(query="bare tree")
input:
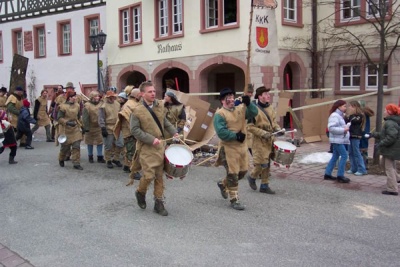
column 377, row 34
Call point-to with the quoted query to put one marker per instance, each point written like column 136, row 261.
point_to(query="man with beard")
column 230, row 126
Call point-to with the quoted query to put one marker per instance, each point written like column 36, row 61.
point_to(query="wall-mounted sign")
column 168, row 48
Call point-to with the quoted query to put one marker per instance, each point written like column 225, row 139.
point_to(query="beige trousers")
column 392, row 175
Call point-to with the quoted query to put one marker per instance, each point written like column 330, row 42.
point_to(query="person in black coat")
column 24, row 123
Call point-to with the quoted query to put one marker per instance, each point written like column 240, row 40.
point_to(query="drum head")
column 179, row 155
column 285, row 145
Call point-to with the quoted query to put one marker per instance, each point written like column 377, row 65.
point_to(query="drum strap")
column 154, row 117
column 266, row 114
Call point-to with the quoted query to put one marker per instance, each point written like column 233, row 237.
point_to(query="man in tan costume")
column 68, row 118
column 175, row 111
column 230, row 126
column 14, row 105
column 123, row 126
column 262, row 127
column 90, row 116
column 108, row 115
column 148, row 123
column 41, row 116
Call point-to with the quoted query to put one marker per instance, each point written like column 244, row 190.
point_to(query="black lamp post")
column 97, row 42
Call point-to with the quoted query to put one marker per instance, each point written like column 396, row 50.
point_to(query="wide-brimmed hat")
column 69, row 85
column 110, row 94
column 224, row 92
column 261, row 90
column 128, row 89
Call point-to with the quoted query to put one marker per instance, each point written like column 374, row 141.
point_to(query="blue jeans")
column 356, row 159
column 99, row 150
column 339, row 150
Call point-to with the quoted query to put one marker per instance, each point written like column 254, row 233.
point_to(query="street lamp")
column 97, row 42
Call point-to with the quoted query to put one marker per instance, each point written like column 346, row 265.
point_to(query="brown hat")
column 261, row 90
column 128, row 89
column 69, row 85
column 110, row 94
column 135, row 92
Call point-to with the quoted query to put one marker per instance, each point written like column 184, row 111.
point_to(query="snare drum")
column 177, row 161
column 284, row 153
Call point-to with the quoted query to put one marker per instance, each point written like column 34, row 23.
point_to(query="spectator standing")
column 389, row 147
column 357, row 121
column 338, row 137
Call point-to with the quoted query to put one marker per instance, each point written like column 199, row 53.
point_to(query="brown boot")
column 159, row 207
column 11, row 160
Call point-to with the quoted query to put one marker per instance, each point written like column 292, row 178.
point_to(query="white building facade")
column 57, row 45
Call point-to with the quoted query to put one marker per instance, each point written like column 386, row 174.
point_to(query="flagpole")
column 247, row 74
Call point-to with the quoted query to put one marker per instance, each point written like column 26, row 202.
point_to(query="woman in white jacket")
column 338, row 136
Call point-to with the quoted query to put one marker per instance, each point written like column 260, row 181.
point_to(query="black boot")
column 126, row 169
column 11, row 160
column 117, row 162
column 91, row 159
column 61, row 162
column 100, row 159
column 222, row 188
column 342, row 179
column 159, row 207
column 109, row 164
column 141, row 199
column 78, row 167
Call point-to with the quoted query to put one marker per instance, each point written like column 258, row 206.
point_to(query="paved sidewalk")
column 314, row 172
column 9, row 258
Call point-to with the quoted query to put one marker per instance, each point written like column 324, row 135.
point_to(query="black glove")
column 246, row 100
column 71, row 123
column 240, row 137
column 104, row 132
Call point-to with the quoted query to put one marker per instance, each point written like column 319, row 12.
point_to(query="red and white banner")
column 264, row 38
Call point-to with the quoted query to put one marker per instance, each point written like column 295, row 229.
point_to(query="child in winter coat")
column 24, row 121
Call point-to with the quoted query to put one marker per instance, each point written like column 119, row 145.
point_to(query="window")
column 92, row 27
column 131, row 25
column 219, row 15
column 1, row 46
column 374, row 6
column 350, row 76
column 17, row 41
column 169, row 18
column 290, row 10
column 350, row 9
column 372, row 76
column 64, row 38
column 39, row 41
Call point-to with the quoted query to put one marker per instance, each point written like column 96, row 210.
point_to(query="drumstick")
column 181, row 135
column 204, row 161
